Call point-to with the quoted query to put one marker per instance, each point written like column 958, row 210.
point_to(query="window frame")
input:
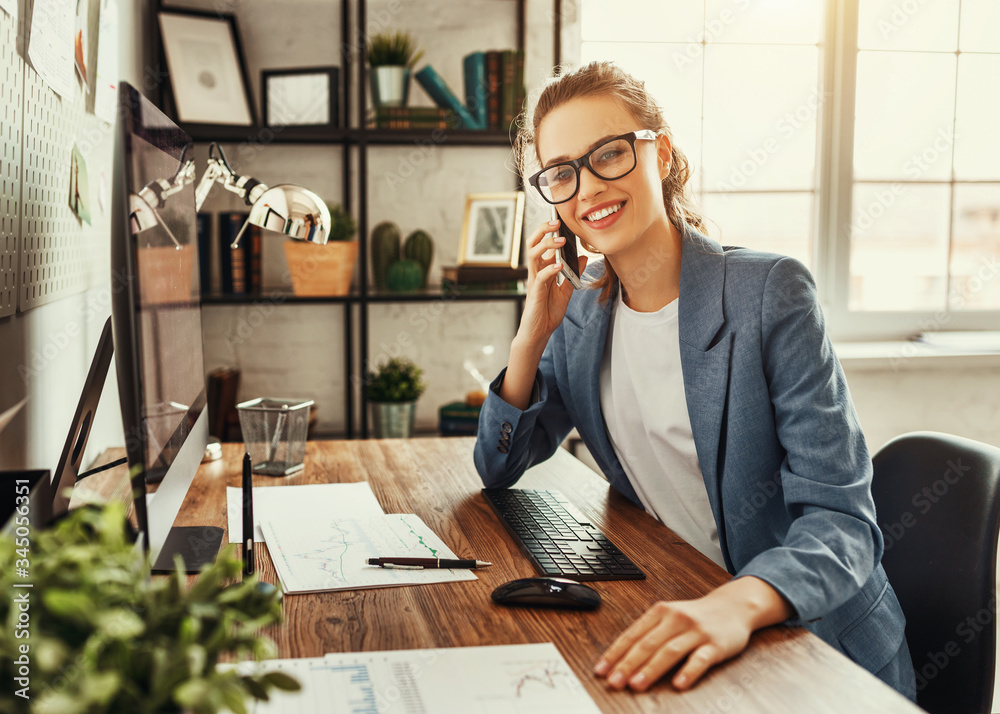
column 831, row 248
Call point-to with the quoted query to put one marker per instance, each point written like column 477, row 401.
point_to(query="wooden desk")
column 783, row 670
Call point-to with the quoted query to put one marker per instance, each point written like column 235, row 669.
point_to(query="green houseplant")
column 391, row 57
column 393, row 390
column 325, row 269
column 104, row 637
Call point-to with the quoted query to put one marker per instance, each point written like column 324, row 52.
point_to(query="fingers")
column 542, row 243
column 628, row 638
column 697, row 664
column 650, row 647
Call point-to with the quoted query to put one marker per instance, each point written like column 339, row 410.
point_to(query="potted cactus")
column 393, row 389
column 325, row 269
column 391, row 57
column 400, row 266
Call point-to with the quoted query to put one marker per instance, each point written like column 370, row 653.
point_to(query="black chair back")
column 937, row 500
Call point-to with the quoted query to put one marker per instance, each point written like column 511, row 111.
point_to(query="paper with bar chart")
column 500, row 679
column 332, row 554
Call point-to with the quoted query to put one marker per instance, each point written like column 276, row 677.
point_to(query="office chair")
column 937, row 499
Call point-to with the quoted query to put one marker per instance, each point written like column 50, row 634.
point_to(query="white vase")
column 390, row 85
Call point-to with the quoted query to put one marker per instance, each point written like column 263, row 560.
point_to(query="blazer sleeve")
column 833, row 543
column 510, row 441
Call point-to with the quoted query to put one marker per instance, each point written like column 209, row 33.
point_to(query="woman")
column 703, row 383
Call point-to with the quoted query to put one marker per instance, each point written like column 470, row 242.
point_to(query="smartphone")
column 566, row 256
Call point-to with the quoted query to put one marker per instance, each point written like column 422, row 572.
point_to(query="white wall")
column 45, row 353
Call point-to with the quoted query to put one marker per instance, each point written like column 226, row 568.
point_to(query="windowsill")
column 908, row 355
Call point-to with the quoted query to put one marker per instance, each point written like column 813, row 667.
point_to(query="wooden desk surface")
column 783, row 670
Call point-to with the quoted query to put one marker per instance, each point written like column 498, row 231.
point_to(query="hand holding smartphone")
column 566, row 256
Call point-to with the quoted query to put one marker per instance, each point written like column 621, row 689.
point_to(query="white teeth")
column 604, row 212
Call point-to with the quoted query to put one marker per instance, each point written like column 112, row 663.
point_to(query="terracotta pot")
column 319, row 270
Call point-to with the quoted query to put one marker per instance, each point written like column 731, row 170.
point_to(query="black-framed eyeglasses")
column 611, row 160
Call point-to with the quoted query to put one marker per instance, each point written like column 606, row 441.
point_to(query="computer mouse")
column 547, row 592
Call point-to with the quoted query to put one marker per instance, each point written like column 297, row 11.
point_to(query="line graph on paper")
column 332, row 555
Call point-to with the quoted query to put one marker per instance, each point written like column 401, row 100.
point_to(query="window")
column 859, row 136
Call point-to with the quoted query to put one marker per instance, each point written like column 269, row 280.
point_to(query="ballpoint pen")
column 248, row 559
column 422, row 563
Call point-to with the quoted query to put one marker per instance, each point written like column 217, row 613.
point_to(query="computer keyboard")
column 557, row 538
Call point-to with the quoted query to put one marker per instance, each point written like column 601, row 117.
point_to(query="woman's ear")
column 663, row 155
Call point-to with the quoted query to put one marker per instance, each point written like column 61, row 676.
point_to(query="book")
column 412, row 118
column 463, row 274
column 204, row 224
column 508, row 87
column 474, row 72
column 443, row 96
column 239, row 268
column 493, row 77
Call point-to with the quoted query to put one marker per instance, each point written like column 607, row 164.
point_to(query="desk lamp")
column 288, row 209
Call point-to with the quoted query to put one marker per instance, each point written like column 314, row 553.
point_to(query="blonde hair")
column 605, row 78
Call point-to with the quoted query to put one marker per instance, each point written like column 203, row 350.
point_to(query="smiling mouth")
column 604, row 212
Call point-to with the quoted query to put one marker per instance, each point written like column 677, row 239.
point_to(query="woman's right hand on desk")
column 546, row 302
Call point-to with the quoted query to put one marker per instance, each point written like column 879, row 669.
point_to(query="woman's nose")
column 590, row 184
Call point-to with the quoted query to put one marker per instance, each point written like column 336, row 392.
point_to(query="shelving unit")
column 360, row 138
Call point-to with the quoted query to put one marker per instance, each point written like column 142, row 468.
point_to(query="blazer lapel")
column 706, row 347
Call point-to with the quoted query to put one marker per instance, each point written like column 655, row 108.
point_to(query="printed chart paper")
column 297, row 504
column 501, row 679
column 332, row 554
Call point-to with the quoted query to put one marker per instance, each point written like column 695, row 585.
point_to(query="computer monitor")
column 156, row 319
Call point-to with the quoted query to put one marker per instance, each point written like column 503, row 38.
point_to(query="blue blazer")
column 785, row 464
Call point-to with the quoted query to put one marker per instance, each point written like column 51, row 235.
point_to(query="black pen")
column 248, row 560
column 422, row 563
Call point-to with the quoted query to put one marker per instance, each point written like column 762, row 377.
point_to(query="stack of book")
column 458, row 419
column 494, row 89
column 463, row 278
column 239, row 268
column 412, row 118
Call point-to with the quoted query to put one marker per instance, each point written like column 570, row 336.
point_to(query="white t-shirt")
column 643, row 403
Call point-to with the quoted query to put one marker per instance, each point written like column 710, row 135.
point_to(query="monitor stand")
column 198, row 545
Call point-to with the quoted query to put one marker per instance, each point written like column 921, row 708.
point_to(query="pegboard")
column 11, row 91
column 60, row 254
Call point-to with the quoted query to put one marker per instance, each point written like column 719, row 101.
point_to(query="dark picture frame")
column 208, row 75
column 302, row 96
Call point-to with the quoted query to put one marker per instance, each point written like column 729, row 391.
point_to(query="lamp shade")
column 294, row 211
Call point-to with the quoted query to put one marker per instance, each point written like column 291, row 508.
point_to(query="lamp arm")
column 247, row 188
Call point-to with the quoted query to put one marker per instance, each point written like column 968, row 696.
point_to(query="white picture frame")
column 491, row 229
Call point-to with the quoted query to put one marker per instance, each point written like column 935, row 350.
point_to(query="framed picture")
column 491, row 230
column 208, row 77
column 300, row 97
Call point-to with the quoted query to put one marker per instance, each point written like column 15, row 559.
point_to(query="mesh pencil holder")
column 274, row 431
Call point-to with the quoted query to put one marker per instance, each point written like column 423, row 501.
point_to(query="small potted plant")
column 325, row 269
column 104, row 637
column 393, row 390
column 391, row 57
